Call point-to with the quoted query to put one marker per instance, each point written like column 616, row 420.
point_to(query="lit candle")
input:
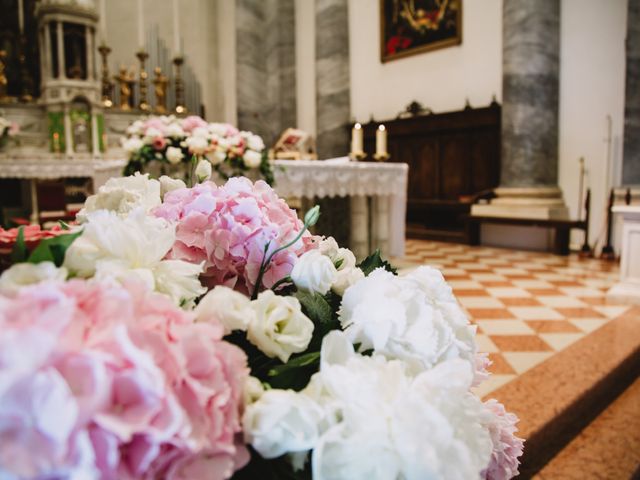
column 103, row 20
column 140, row 25
column 356, row 139
column 381, row 140
column 21, row 15
column 176, row 28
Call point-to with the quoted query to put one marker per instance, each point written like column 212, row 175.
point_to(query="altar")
column 378, row 193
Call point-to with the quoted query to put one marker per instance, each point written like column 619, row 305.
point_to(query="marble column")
column 631, row 155
column 530, row 91
column 265, row 65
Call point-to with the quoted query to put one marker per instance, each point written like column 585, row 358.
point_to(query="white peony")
column 216, row 157
column 252, row 159
column 203, row 170
column 168, row 184
column 133, row 247
column 282, row 421
column 255, row 142
column 174, row 155
column 23, row 274
column 231, row 308
column 151, row 134
column 314, row 272
column 279, row 328
column 174, row 130
column 200, row 132
column 135, row 128
column 400, row 318
column 197, row 145
column 133, row 144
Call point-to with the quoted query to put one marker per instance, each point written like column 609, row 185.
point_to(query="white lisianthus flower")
column 131, row 145
column 203, row 170
column 174, row 155
column 232, row 309
column 282, row 421
column 279, row 328
column 151, row 134
column 23, row 274
column 314, row 272
column 252, row 159
column 124, row 194
column 218, row 129
column 174, row 130
column 400, row 319
column 253, row 390
column 200, row 132
column 197, row 145
column 216, row 157
column 168, row 184
column 133, row 247
column 329, row 247
column 255, row 142
column 345, row 263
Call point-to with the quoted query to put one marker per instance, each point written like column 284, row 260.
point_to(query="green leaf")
column 305, row 360
column 53, row 249
column 19, row 251
column 374, row 261
column 315, row 306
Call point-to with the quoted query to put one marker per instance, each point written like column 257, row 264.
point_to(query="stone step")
column 557, row 399
column 608, row 448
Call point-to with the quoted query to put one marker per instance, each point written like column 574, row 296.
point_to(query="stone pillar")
column 530, row 91
column 332, row 78
column 631, row 156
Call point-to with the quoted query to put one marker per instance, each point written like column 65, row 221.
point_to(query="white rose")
column 123, row 195
column 313, row 272
column 231, row 308
column 203, row 170
column 282, row 421
column 174, row 155
column 23, row 274
column 133, row 144
column 197, row 145
column 252, row 159
column 175, row 131
column 168, row 184
column 345, row 278
column 254, row 142
column 329, row 247
column 279, row 328
column 216, row 157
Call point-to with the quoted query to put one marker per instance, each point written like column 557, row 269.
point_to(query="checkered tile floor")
column 527, row 305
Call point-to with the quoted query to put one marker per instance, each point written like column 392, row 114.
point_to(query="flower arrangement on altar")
column 204, row 333
column 7, row 130
column 172, row 145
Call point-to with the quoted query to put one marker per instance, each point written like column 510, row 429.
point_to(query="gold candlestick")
column 160, row 84
column 25, row 75
column 180, row 107
column 125, row 81
column 4, row 83
column 107, row 84
column 142, row 56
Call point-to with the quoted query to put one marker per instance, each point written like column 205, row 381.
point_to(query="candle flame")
column 381, row 128
column 358, row 126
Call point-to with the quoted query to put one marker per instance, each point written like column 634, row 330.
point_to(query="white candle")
column 103, row 21
column 356, row 139
column 381, row 140
column 140, row 25
column 176, row 28
column 21, row 15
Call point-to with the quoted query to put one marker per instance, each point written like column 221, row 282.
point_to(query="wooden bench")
column 562, row 229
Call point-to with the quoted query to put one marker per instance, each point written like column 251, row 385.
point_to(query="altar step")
column 575, row 392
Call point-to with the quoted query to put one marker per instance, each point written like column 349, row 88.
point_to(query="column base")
column 538, row 203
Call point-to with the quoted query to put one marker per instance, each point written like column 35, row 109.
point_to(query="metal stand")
column 107, row 84
column 180, row 107
column 143, row 105
column 607, row 251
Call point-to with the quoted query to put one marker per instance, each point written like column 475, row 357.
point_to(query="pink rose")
column 192, row 122
column 159, row 143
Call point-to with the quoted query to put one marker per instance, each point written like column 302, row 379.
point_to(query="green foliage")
column 19, row 253
column 374, row 261
column 53, row 249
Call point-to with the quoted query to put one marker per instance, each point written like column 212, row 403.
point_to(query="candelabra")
column 4, row 83
column 180, row 107
column 25, row 76
column 142, row 56
column 107, row 84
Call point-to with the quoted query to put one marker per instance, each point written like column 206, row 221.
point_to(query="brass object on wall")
column 160, row 84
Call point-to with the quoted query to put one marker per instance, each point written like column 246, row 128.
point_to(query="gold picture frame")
column 410, row 27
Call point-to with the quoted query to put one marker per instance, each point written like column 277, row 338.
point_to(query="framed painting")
column 408, row 27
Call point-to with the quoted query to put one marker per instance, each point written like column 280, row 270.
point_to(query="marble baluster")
column 631, row 156
column 332, row 78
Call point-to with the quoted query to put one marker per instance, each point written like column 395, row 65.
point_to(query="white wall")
column 592, row 74
column 440, row 80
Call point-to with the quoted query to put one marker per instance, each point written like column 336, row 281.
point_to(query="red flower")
column 398, row 42
column 32, row 236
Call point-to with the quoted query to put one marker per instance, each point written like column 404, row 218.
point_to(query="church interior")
column 496, row 140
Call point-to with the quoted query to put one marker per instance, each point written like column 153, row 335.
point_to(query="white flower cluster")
column 370, row 418
column 326, row 268
column 275, row 324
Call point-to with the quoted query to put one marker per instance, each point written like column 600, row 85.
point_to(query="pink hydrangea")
column 506, row 446
column 111, row 382
column 228, row 227
column 192, row 122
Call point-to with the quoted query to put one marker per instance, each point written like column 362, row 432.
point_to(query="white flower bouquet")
column 171, row 144
column 204, row 333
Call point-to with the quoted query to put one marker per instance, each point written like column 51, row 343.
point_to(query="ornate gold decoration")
column 180, row 107
column 142, row 56
column 4, row 83
column 125, row 81
column 160, row 85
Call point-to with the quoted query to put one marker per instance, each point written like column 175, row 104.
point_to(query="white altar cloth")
column 386, row 183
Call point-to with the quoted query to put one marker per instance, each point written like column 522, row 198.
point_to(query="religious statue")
column 3, row 76
column 160, row 84
column 125, row 81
